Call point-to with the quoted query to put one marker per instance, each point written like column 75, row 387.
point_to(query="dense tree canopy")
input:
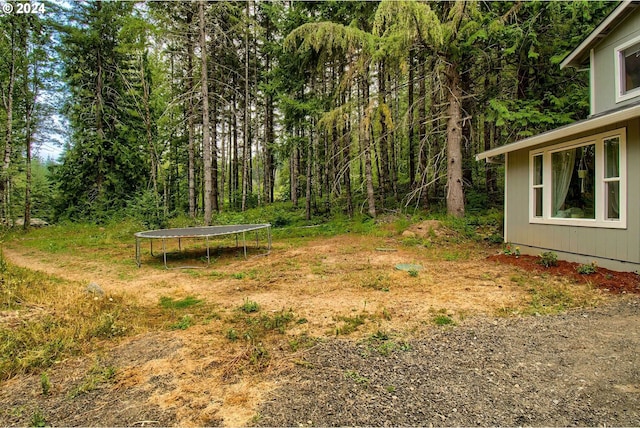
column 196, row 107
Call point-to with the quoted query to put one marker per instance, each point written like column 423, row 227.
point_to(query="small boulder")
column 95, row 290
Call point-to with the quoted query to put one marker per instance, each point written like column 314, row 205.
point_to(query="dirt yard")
column 449, row 343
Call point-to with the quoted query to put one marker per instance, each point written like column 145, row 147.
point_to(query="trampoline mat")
column 197, row 232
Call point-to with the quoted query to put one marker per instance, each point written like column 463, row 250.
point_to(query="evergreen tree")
column 104, row 165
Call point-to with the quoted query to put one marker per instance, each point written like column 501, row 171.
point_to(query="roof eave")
column 564, row 132
column 579, row 55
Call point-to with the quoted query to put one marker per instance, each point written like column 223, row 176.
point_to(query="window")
column 580, row 183
column 537, row 186
column 628, row 70
column 572, row 179
column 612, row 177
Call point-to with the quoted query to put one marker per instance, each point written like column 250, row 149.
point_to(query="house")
column 575, row 190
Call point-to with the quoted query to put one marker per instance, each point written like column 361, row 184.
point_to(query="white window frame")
column 600, row 220
column 619, row 78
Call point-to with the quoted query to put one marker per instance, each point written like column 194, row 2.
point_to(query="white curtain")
column 562, row 164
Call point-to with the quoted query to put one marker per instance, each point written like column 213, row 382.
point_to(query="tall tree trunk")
column 7, row 99
column 31, row 97
column 410, row 123
column 223, row 163
column 394, row 146
column 468, row 162
column 268, row 148
column 268, row 123
column 28, row 142
column 191, row 174
column 214, row 158
column 309, row 174
column 295, row 162
column 245, row 147
column 234, row 169
column 206, row 138
column 27, row 191
column 455, row 190
column 384, row 137
column 99, row 115
column 346, row 159
column 423, row 145
column 146, row 101
column 366, row 135
column 490, row 173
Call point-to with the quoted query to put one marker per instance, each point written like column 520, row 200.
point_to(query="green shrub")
column 548, row 259
column 587, row 269
column 249, row 306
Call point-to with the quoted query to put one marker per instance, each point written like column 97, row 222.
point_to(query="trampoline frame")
column 205, row 232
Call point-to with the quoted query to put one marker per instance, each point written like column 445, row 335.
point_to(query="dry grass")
column 217, row 366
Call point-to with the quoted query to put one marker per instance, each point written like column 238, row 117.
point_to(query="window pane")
column 631, row 67
column 537, row 170
column 612, row 157
column 573, row 186
column 538, row 201
column 613, row 200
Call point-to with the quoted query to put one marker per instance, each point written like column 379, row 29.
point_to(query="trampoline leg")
column 164, row 253
column 244, row 244
column 179, row 245
column 208, row 257
column 138, row 251
column 151, row 243
column 269, row 239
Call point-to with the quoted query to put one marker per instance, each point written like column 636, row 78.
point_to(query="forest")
column 190, row 108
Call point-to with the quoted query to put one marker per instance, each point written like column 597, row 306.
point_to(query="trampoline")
column 200, row 232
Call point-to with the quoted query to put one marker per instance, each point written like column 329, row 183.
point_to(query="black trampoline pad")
column 200, row 232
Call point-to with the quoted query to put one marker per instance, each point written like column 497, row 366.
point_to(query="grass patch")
column 45, row 383
column 38, row 419
column 442, row 320
column 187, row 302
column 185, row 322
column 382, row 343
column 381, row 282
column 349, row 324
column 249, row 306
column 253, row 327
column 199, row 312
column 85, row 240
column 547, row 296
column 456, row 255
column 97, row 376
column 357, row 377
column 303, row 341
column 49, row 319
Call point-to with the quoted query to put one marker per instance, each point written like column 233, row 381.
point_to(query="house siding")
column 603, row 65
column 614, row 248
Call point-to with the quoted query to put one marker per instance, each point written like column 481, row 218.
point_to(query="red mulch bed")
column 615, row 282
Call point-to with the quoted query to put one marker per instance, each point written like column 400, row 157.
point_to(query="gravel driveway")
column 578, row 368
